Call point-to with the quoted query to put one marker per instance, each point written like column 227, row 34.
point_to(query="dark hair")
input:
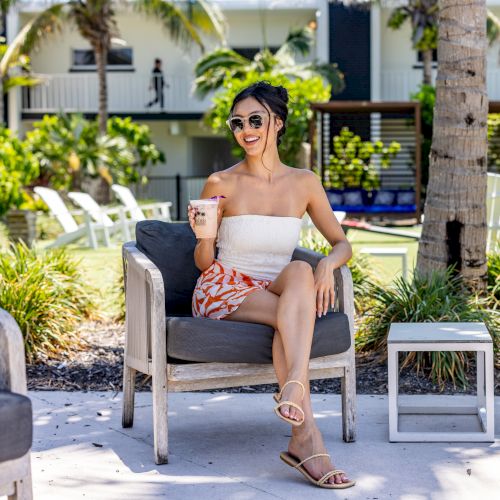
column 157, row 60
column 276, row 97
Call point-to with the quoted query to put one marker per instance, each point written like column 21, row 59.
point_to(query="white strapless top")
column 257, row 245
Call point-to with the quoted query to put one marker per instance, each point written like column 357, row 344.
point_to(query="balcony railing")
column 397, row 85
column 127, row 93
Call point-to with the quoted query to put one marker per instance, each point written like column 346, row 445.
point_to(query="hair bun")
column 282, row 93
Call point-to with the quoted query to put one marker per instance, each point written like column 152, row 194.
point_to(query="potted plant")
column 18, row 168
column 351, row 173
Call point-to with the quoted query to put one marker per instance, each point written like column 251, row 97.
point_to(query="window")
column 249, row 52
column 118, row 59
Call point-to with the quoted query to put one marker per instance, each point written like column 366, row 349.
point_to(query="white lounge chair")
column 72, row 231
column 493, row 211
column 101, row 215
column 161, row 210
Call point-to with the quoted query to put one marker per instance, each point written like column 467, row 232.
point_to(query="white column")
column 322, row 32
column 14, row 95
column 375, row 53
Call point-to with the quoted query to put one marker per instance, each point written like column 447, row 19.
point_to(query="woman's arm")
column 204, row 252
column 323, row 218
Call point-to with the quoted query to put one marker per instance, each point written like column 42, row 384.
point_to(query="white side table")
column 410, row 337
column 390, row 252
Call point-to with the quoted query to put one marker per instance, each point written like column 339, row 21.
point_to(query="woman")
column 261, row 206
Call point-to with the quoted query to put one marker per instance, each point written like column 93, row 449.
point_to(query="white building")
column 379, row 64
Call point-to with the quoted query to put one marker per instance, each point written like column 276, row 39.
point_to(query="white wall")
column 149, row 40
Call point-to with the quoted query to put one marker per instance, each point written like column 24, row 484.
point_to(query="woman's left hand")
column 324, row 287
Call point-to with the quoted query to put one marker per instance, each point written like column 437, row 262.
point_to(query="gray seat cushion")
column 205, row 340
column 170, row 246
column 16, row 427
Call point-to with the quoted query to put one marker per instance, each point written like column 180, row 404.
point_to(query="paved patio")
column 226, row 446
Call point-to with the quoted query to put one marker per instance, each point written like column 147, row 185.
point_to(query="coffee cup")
column 205, row 217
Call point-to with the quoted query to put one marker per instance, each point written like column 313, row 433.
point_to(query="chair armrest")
column 144, row 310
column 344, row 295
column 12, row 362
column 307, row 255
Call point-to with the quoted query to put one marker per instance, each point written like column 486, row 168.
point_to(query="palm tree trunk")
column 102, row 193
column 101, row 55
column 427, row 59
column 454, row 230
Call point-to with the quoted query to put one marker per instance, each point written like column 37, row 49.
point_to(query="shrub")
column 18, row 167
column 46, row 295
column 351, row 166
column 70, row 148
column 427, row 96
column 494, row 275
column 358, row 265
column 440, row 296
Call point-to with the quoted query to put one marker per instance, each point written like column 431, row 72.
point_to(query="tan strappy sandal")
column 277, row 398
column 322, row 481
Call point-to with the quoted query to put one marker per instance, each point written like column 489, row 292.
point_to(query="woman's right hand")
column 191, row 214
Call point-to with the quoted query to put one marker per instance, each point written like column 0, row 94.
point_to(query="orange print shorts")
column 219, row 291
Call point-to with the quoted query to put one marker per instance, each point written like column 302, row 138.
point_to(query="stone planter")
column 21, row 225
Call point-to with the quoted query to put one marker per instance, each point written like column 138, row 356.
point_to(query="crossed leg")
column 289, row 306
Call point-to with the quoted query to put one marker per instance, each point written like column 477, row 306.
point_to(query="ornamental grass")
column 46, row 294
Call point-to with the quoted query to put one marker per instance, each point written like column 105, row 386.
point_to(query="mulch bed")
column 98, row 367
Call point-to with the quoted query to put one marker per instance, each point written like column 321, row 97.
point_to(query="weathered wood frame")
column 146, row 350
column 15, row 475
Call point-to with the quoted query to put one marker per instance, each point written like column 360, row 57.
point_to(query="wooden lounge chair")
column 72, row 231
column 101, row 215
column 182, row 353
column 160, row 210
column 16, row 420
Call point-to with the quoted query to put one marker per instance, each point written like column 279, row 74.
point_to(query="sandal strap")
column 309, row 458
column 292, row 382
column 328, row 475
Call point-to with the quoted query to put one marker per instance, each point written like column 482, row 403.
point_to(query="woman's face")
column 250, row 112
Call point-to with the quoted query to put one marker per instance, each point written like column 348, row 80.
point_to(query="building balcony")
column 127, row 94
column 397, row 85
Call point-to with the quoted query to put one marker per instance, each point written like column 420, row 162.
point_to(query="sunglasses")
column 236, row 124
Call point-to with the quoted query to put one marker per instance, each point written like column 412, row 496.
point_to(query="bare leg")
column 288, row 353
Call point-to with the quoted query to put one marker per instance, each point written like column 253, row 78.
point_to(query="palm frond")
column 492, row 27
column 47, row 22
column 211, row 70
column 220, row 58
column 20, row 81
column 173, row 19
column 299, row 41
column 209, row 18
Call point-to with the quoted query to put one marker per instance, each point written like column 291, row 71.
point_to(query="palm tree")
column 212, row 69
column 96, row 22
column 454, row 230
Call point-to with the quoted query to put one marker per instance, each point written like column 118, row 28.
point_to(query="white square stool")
column 411, row 337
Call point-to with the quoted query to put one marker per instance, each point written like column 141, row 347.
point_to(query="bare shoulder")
column 305, row 177
column 219, row 182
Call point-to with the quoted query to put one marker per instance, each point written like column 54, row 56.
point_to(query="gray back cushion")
column 170, row 246
column 16, row 427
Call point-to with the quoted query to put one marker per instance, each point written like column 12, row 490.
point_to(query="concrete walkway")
column 226, row 446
